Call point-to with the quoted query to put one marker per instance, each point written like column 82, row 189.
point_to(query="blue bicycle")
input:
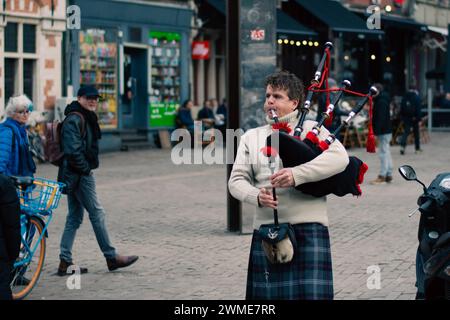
column 38, row 198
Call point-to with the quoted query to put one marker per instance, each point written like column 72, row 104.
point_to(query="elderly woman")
column 15, row 157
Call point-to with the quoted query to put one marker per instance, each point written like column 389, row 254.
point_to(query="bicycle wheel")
column 26, row 276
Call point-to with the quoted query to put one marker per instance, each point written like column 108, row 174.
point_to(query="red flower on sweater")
column 282, row 126
column 269, row 151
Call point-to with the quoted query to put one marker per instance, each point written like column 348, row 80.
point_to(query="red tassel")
column 370, row 147
column 370, row 144
column 269, row 151
column 362, row 171
column 329, row 120
column 323, row 145
column 313, row 138
column 282, row 126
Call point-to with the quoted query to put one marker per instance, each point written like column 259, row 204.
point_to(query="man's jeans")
column 85, row 197
column 384, row 152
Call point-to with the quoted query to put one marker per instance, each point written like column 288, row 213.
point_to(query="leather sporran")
column 278, row 242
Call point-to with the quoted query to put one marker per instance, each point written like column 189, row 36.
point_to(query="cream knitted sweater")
column 251, row 171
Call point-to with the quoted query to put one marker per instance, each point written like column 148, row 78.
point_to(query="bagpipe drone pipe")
column 293, row 151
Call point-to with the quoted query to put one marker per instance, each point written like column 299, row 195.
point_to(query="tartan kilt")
column 309, row 276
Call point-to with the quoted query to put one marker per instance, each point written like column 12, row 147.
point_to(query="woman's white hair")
column 16, row 103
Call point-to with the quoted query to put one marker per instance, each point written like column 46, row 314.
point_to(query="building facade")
column 31, row 33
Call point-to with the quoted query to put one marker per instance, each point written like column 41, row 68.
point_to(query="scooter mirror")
column 407, row 172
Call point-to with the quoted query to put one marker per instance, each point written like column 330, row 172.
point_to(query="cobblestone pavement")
column 174, row 218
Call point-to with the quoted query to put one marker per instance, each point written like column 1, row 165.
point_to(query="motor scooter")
column 433, row 253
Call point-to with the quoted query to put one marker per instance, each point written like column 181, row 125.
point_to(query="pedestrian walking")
column 410, row 115
column 382, row 128
column 79, row 137
column 309, row 275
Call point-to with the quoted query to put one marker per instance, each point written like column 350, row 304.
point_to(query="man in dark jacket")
column 410, row 114
column 79, row 135
column 382, row 128
column 9, row 234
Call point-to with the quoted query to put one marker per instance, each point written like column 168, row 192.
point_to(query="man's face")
column 89, row 103
column 278, row 101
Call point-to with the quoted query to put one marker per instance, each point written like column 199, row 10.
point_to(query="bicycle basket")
column 42, row 197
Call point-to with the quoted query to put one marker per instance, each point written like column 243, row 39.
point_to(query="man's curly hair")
column 284, row 80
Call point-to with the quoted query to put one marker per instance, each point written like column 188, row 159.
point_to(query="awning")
column 288, row 25
column 402, row 23
column 337, row 17
column 285, row 23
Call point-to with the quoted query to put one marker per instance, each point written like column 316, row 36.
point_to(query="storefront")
column 137, row 55
column 356, row 47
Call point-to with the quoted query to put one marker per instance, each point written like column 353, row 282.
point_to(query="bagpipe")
column 293, row 151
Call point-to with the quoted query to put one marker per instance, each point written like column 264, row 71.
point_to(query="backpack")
column 52, row 144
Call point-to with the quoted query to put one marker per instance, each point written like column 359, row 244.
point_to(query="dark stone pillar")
column 258, row 57
column 251, row 57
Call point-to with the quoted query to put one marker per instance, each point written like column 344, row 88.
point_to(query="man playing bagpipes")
column 300, row 269
column 290, row 252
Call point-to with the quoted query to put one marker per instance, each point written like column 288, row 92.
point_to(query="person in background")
column 15, row 156
column 184, row 116
column 206, row 115
column 410, row 114
column 382, row 128
column 221, row 117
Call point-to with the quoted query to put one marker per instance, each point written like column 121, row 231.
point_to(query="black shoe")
column 64, row 265
column 120, row 262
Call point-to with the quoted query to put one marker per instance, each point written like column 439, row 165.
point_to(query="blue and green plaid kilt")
column 309, row 276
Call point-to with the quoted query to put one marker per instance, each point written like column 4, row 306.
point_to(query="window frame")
column 20, row 56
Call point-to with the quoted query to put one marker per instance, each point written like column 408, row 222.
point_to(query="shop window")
column 29, row 38
column 165, row 78
column 11, row 35
column 28, row 75
column 10, row 77
column 98, row 67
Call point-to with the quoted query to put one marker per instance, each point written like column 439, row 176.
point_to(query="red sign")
column 200, row 50
column 258, row 34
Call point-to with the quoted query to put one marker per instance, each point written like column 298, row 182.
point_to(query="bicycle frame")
column 24, row 230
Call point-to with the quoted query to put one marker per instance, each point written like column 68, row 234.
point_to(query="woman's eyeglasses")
column 23, row 112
